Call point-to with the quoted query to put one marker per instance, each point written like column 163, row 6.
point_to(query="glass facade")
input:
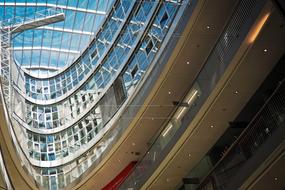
column 67, row 82
column 59, row 44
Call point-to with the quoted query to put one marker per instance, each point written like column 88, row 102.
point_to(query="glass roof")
column 49, row 48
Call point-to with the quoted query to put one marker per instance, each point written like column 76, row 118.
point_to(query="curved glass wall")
column 68, row 111
column 72, row 78
column 59, row 142
column 56, row 146
column 49, row 48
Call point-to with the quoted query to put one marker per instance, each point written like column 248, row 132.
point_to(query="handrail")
column 244, row 133
column 237, row 25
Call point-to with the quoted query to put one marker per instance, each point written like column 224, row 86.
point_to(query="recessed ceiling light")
column 276, row 178
column 212, row 126
column 187, row 62
column 189, row 155
column 169, row 92
column 133, row 144
column 265, row 50
column 208, row 27
column 236, row 92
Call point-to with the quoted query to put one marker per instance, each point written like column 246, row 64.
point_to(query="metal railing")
column 228, row 43
column 5, row 61
column 270, row 117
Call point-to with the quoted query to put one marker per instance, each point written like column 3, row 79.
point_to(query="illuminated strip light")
column 180, row 113
column 258, row 28
column 252, row 39
column 188, row 102
column 167, row 130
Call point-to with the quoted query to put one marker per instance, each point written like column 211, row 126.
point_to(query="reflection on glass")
column 69, row 134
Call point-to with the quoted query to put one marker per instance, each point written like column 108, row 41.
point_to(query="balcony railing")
column 246, row 11
column 269, row 118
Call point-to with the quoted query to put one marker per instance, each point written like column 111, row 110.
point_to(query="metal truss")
column 17, row 25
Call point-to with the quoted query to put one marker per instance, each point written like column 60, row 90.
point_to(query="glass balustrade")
column 228, row 43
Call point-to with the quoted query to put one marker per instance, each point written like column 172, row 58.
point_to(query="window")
column 163, row 20
column 134, row 71
column 93, row 54
column 119, row 90
column 149, row 47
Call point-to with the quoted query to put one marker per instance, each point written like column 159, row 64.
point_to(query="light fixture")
column 276, row 178
column 265, row 50
column 236, row 92
column 192, row 97
column 189, row 154
column 208, row 27
column 258, row 28
column 169, row 92
column 212, row 126
column 167, row 180
column 189, row 101
column 167, row 130
column 133, row 144
column 180, row 113
column 187, row 62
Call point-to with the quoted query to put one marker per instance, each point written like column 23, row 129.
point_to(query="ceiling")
column 149, row 118
column 245, row 75
column 273, row 177
column 194, row 45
